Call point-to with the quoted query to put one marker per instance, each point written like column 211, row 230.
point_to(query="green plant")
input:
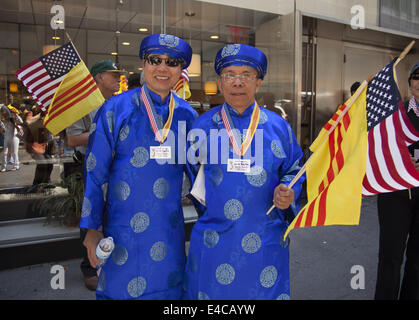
column 65, row 209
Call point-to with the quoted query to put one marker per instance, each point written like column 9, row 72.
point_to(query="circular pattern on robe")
column 123, row 134
column 86, row 208
column 215, row 176
column 136, row 287
column 211, row 238
column 257, row 176
column 268, row 276
column 251, row 242
column 140, row 222
column 283, row 296
column 121, row 190
column 90, row 162
column 158, row 251
column 233, row 209
column 101, row 283
column 140, row 157
column 119, row 255
column 161, row 188
column 277, row 149
column 174, row 279
column 203, row 296
column 263, row 118
column 225, row 274
column 110, row 120
column 216, row 118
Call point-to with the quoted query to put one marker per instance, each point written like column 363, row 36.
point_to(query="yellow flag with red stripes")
column 336, row 169
column 182, row 85
column 76, row 96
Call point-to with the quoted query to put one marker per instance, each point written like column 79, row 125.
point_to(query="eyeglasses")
column 170, row 62
column 243, row 77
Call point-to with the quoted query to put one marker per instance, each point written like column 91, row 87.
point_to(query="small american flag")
column 42, row 76
column 390, row 132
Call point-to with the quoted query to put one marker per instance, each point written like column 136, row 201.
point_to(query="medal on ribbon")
column 161, row 134
column 232, row 135
column 158, row 152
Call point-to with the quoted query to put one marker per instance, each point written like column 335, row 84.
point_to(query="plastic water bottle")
column 103, row 251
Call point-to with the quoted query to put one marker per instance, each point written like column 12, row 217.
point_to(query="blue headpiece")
column 415, row 67
column 167, row 44
column 241, row 55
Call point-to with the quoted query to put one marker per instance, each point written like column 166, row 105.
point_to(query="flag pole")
column 345, row 111
column 404, row 53
column 75, row 49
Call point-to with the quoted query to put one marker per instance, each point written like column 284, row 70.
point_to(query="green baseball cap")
column 104, row 66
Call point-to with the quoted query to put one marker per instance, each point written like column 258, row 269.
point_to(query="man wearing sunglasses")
column 398, row 215
column 134, row 179
column 236, row 250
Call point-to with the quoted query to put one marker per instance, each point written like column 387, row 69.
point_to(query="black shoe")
column 91, row 282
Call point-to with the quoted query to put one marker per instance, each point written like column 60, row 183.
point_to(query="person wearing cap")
column 398, row 216
column 236, row 250
column 106, row 75
column 134, row 175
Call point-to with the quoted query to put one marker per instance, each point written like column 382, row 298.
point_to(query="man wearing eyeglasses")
column 134, row 180
column 398, row 215
column 236, row 250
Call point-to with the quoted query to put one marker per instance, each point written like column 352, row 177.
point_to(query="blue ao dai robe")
column 236, row 250
column 137, row 199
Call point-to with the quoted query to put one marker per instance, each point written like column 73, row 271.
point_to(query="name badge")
column 416, row 154
column 160, row 152
column 238, row 165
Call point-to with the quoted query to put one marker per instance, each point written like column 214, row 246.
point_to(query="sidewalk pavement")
column 321, row 260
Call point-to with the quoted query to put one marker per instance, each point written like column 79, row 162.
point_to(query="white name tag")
column 238, row 165
column 161, row 152
column 416, row 154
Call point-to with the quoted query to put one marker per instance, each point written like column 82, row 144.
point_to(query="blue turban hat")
column 415, row 67
column 241, row 55
column 166, row 44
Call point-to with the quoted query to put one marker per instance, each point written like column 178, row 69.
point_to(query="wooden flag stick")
column 345, row 111
column 404, row 53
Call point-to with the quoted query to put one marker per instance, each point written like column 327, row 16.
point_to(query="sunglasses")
column 170, row 62
column 415, row 76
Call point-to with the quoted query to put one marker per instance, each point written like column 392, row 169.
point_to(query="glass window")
column 402, row 15
column 100, row 30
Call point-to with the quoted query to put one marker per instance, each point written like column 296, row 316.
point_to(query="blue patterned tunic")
column 236, row 251
column 137, row 199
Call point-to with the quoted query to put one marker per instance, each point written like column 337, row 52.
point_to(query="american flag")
column 390, row 132
column 42, row 76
